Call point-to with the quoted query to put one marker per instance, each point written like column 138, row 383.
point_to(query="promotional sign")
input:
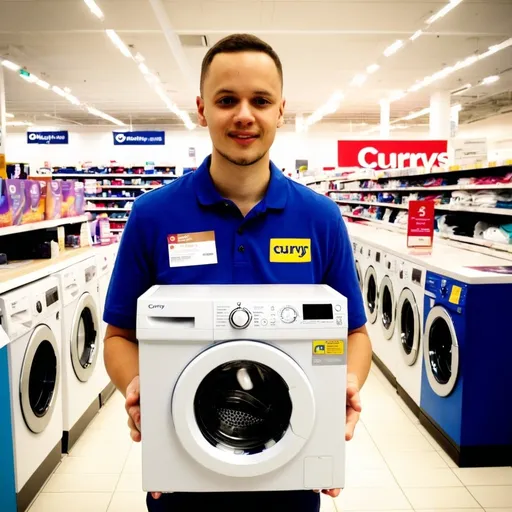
column 61, row 137
column 420, row 224
column 153, row 138
column 392, row 154
column 469, row 151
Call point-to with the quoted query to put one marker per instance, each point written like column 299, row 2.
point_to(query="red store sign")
column 392, row 154
column 420, row 224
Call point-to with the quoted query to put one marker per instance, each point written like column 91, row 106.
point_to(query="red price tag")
column 420, row 225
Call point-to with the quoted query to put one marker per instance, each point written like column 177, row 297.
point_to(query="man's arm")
column 359, row 356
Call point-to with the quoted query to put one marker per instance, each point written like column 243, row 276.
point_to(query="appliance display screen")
column 416, row 275
column 52, row 296
column 317, row 312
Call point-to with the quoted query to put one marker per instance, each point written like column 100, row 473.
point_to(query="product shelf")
column 138, row 187
column 424, row 189
column 45, row 224
column 109, row 209
column 114, row 175
column 99, row 198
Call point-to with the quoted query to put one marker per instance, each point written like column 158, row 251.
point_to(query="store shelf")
column 125, row 219
column 114, row 175
column 424, row 189
column 387, row 225
column 139, row 187
column 45, row 224
column 447, row 208
column 117, row 230
column 107, row 199
column 109, row 209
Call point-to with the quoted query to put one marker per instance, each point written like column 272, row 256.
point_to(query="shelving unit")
column 45, row 224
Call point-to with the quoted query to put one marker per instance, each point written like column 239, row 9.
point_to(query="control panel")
column 270, row 315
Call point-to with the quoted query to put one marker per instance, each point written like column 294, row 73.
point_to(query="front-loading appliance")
column 238, row 385
column 407, row 342
column 466, row 378
column 359, row 256
column 31, row 317
column 105, row 262
column 81, row 333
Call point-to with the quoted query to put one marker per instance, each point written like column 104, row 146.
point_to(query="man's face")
column 242, row 105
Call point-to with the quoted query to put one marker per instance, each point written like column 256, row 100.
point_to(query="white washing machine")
column 242, row 387
column 31, row 317
column 80, row 334
column 388, row 299
column 359, row 257
column 409, row 331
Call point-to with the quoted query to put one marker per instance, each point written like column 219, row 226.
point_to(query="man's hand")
column 132, row 406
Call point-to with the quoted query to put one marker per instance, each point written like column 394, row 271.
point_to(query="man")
column 243, row 198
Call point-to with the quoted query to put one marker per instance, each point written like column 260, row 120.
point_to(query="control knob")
column 240, row 318
column 288, row 315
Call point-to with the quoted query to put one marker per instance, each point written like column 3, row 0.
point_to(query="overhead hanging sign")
column 61, row 137
column 392, row 154
column 152, row 138
column 420, row 224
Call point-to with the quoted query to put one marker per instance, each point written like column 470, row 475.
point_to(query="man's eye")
column 228, row 100
column 261, row 102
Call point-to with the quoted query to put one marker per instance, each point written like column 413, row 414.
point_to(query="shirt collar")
column 207, row 195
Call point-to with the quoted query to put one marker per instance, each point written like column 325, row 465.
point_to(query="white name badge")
column 189, row 249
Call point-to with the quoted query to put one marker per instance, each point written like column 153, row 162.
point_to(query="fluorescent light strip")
column 329, row 108
column 9, row 116
column 11, row 65
column 372, row 68
column 43, row 84
column 116, row 40
column 414, row 115
column 19, row 123
column 99, row 113
column 359, row 80
column 443, row 11
column 461, row 90
column 392, row 49
column 416, row 34
column 490, row 80
column 95, row 9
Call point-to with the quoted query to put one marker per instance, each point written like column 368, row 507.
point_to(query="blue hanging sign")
column 61, row 137
column 153, row 138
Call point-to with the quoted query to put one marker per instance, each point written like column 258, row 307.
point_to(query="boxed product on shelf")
column 5, row 209
column 54, row 200
column 34, row 206
column 16, row 198
column 73, row 198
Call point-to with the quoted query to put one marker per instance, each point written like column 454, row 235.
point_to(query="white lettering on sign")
column 399, row 160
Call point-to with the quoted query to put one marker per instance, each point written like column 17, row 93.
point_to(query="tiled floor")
column 393, row 465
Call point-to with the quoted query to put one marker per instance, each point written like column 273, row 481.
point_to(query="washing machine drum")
column 85, row 337
column 39, row 379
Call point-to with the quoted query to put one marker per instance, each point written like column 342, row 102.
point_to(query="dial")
column 240, row 318
column 288, row 315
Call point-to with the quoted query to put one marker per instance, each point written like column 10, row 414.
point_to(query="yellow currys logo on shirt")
column 290, row 250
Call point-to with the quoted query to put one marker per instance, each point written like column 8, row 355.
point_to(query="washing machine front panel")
column 85, row 330
column 409, row 327
column 387, row 307
column 243, row 408
column 371, row 294
column 39, row 379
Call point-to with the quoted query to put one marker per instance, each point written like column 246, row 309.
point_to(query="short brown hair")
column 236, row 43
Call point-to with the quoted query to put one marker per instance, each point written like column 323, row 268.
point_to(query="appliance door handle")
column 22, row 317
column 174, row 322
column 73, row 288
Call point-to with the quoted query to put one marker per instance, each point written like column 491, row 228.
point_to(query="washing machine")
column 410, row 279
column 81, row 331
column 466, row 378
column 105, row 261
column 238, row 385
column 388, row 298
column 31, row 317
column 358, row 252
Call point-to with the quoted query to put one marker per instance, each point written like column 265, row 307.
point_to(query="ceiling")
column 323, row 44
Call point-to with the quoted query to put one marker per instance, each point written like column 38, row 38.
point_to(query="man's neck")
column 244, row 185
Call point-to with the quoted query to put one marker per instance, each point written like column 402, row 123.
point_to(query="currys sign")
column 61, row 137
column 151, row 138
column 392, row 154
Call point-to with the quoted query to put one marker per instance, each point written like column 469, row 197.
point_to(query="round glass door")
column 441, row 351
column 243, row 408
column 39, row 379
column 85, row 337
column 387, row 307
column 370, row 294
column 408, row 319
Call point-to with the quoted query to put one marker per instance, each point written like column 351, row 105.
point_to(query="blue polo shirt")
column 293, row 236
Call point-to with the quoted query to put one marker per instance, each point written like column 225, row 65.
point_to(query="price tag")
column 420, row 224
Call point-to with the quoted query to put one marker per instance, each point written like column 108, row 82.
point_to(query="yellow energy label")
column 328, row 347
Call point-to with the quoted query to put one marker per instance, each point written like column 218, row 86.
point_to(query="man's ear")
column 280, row 120
column 200, row 112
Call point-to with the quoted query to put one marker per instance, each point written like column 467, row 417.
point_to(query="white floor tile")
column 414, row 460
column 87, row 466
column 440, row 497
column 355, row 499
column 484, row 476
column 492, row 495
column 77, row 483
column 498, row 510
column 402, row 443
column 360, row 477
column 449, row 461
column 327, row 504
column 449, row 510
column 128, row 502
column 129, row 482
column 421, row 477
column 75, row 502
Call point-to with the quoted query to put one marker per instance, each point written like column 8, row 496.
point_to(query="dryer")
column 81, row 332
column 466, row 373
column 409, row 332
column 31, row 317
column 233, row 387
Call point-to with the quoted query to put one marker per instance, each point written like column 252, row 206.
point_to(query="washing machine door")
column 243, row 408
column 85, row 333
column 359, row 275
column 39, row 379
column 371, row 294
column 409, row 325
column 441, row 351
column 387, row 307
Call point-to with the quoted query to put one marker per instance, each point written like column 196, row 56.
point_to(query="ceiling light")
column 118, row 42
column 371, row 69
column 143, row 68
column 10, row 116
column 497, row 47
column 359, row 80
column 490, row 80
column 43, row 84
column 416, row 34
column 139, row 58
column 72, row 99
column 10, row 65
column 28, row 77
column 95, row 9
column 419, row 113
column 59, row 91
column 443, row 11
column 390, row 50
column 456, row 108
column 396, row 95
column 99, row 113
column 19, row 123
column 461, row 89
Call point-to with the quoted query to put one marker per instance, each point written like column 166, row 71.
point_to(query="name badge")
column 189, row 249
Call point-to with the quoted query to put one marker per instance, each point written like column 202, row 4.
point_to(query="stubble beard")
column 243, row 161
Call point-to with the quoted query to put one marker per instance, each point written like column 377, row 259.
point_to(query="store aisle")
column 393, row 465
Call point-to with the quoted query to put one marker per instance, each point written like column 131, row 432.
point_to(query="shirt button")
column 241, row 248
column 240, row 231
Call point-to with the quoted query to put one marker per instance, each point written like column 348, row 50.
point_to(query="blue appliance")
column 7, row 484
column 466, row 377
